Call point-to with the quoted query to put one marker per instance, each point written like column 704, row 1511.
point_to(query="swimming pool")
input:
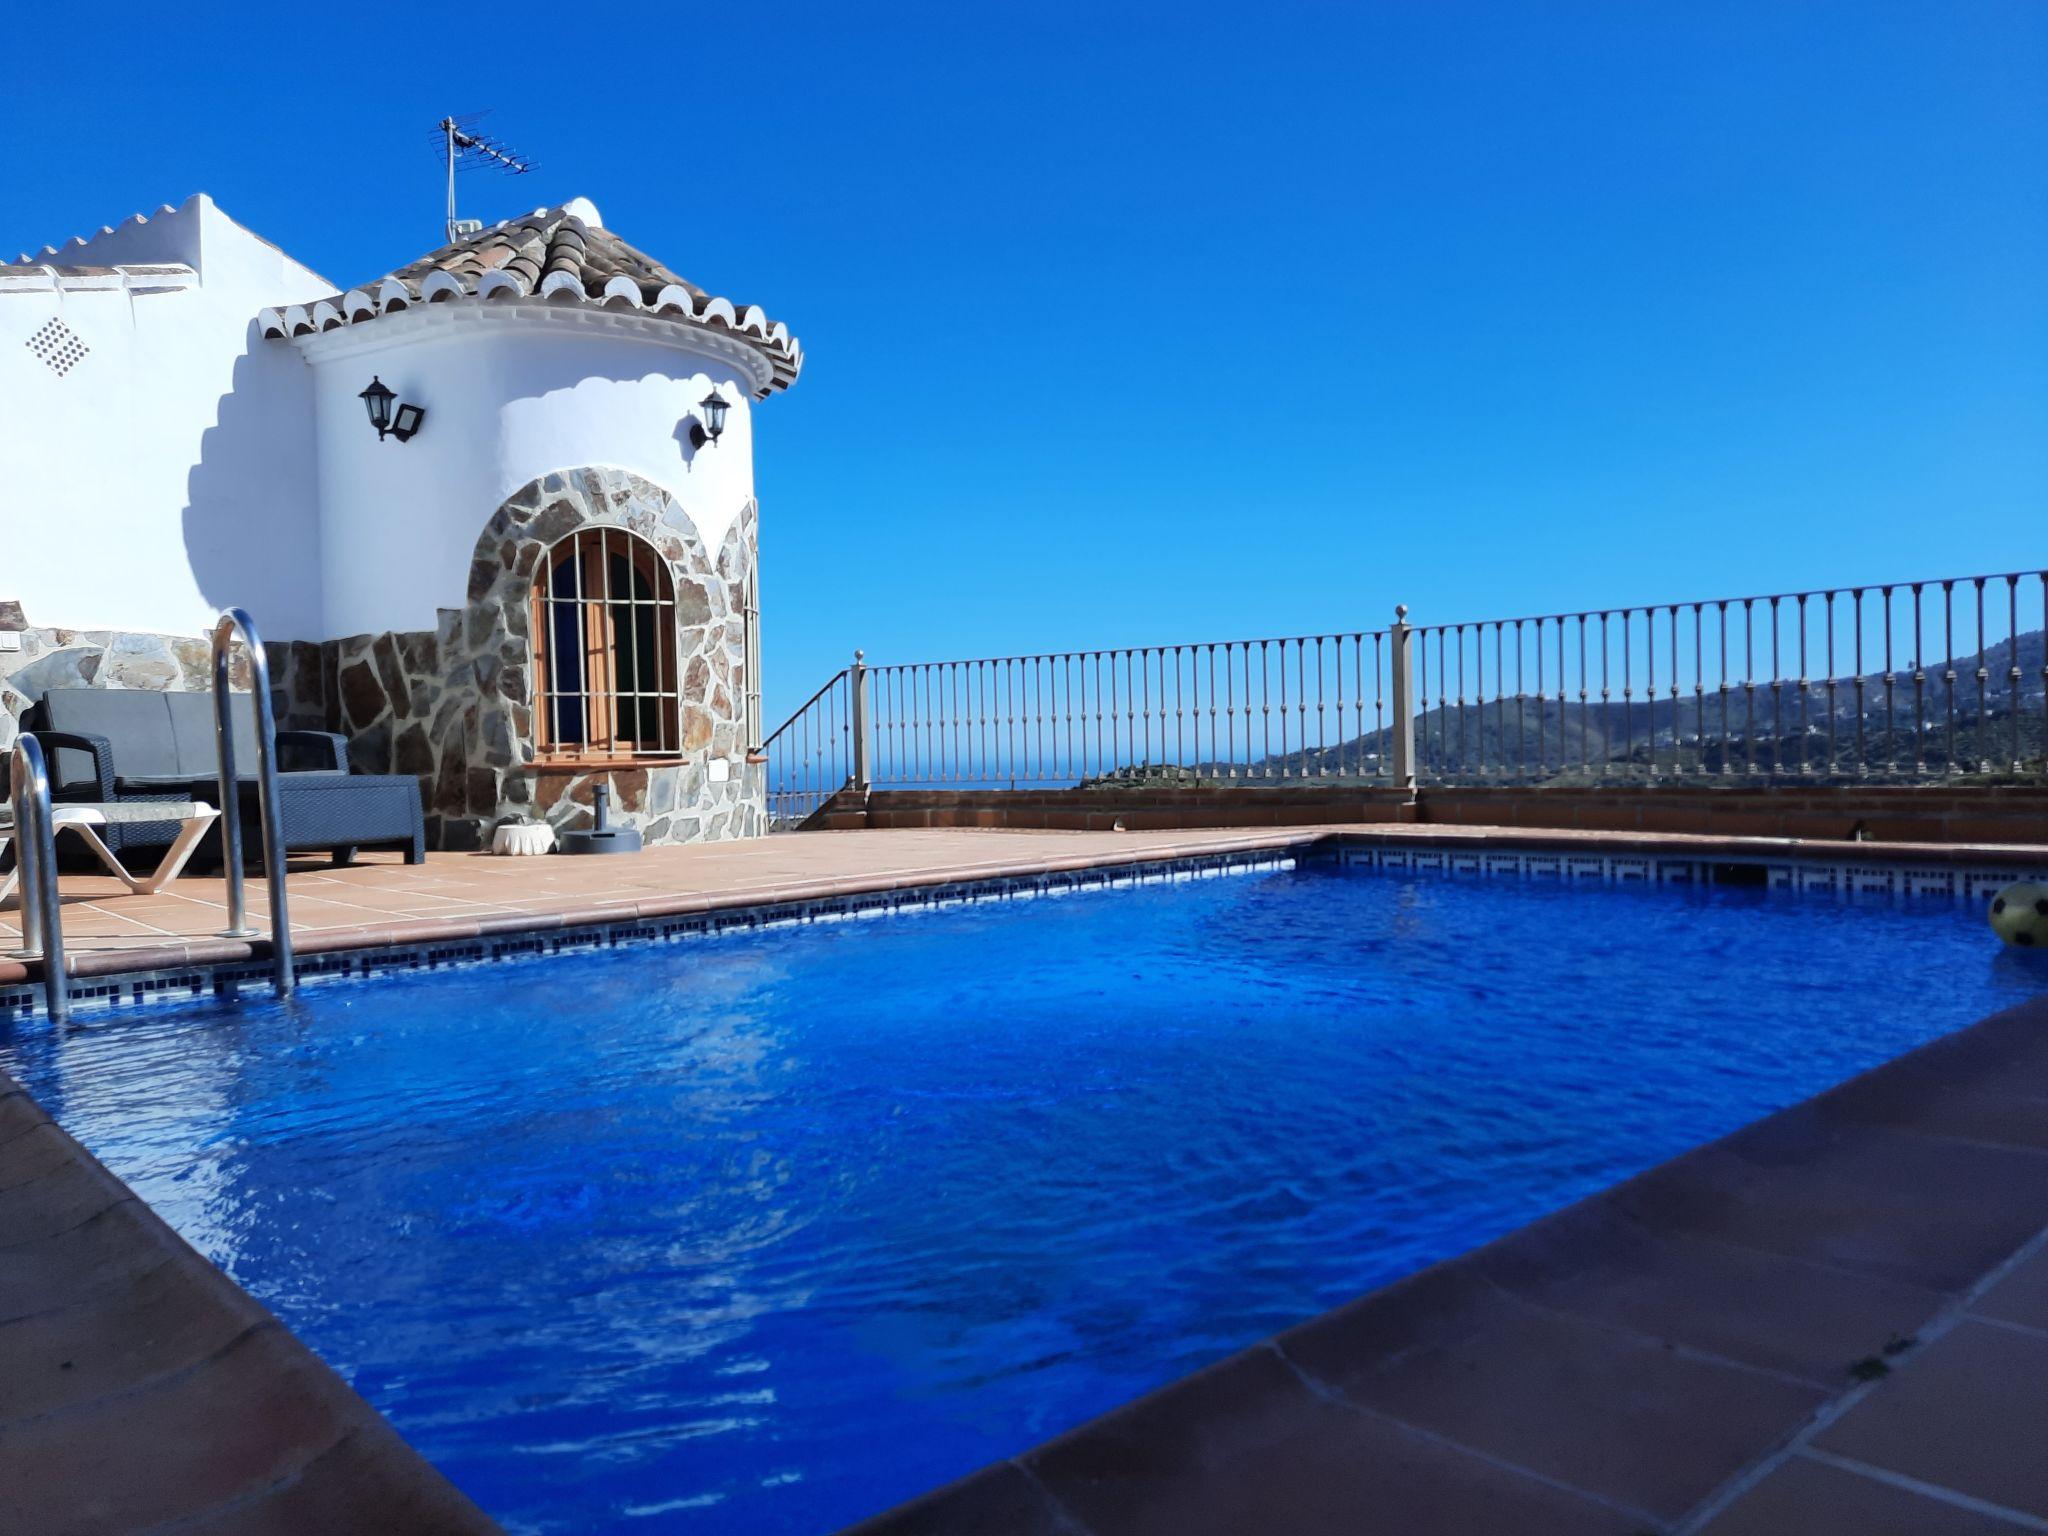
column 765, row 1232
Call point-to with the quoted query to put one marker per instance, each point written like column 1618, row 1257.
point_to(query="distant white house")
column 542, row 573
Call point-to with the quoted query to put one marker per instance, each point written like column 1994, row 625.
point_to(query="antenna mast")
column 466, row 150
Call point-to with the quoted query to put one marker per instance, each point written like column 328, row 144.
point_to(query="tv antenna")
column 469, row 150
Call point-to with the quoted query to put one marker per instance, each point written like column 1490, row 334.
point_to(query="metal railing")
column 1297, row 709
column 35, row 859
column 1902, row 682
column 1245, row 711
column 810, row 755
column 271, row 816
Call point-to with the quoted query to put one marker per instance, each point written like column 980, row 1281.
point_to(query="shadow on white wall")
column 250, row 519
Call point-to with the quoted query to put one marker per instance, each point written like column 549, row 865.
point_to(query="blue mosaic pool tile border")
column 194, row 983
column 1802, row 876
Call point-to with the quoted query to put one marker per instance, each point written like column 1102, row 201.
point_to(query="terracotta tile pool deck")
column 1834, row 1321
column 380, row 900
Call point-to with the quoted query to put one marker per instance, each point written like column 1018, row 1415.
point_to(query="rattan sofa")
column 134, row 745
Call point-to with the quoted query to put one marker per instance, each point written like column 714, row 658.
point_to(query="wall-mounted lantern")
column 401, row 423
column 714, row 408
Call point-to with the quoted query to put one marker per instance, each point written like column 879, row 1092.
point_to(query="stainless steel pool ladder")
column 35, row 856
column 232, row 621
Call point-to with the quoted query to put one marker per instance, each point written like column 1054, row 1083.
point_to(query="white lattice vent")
column 59, row 346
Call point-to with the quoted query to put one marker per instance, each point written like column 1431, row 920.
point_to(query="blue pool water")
column 766, row 1232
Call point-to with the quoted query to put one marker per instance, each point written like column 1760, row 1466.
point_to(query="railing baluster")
column 1379, row 698
column 1265, row 707
column 1500, row 699
column 1301, row 702
column 1834, row 759
column 1893, row 737
column 1322, row 735
column 1799, row 613
column 2041, row 577
column 1948, row 675
column 1137, row 734
column 1284, row 763
column 1777, row 699
column 1677, row 732
column 1464, row 759
column 1521, row 706
column 1862, row 745
column 1180, row 721
column 1721, row 647
column 1749, row 686
column 1563, row 699
column 1983, row 677
column 1223, row 756
column 1919, row 688
column 1699, row 688
column 2012, row 661
column 1628, row 721
column 1606, row 695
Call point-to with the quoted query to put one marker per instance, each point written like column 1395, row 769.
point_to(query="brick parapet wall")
column 1929, row 813
column 1943, row 814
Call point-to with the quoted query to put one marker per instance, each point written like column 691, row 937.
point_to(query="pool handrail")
column 35, row 853
column 231, row 621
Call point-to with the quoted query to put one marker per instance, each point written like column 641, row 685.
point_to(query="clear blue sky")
column 1134, row 323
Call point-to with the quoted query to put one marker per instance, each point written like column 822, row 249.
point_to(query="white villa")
column 493, row 513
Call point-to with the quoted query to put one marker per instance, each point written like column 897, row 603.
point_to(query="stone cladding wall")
column 453, row 706
column 51, row 657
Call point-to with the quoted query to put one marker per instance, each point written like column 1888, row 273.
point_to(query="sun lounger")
column 84, row 821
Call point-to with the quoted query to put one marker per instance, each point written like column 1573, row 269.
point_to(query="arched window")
column 604, row 649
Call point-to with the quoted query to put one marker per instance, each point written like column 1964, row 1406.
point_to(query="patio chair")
column 136, row 747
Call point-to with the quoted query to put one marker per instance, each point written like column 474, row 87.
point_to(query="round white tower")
column 541, row 573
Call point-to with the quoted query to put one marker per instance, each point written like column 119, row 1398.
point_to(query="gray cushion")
column 192, row 727
column 166, row 736
column 136, row 721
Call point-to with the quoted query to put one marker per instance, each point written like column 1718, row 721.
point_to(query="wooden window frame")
column 601, row 719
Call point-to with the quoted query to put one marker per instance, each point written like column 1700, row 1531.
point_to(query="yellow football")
column 2019, row 915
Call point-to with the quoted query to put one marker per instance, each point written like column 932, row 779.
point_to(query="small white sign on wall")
column 719, row 770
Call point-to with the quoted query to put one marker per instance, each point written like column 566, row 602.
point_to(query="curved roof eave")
column 559, row 255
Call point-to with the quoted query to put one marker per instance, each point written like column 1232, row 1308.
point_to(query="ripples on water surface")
column 763, row 1233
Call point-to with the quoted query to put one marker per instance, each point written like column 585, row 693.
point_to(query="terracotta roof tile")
column 560, row 254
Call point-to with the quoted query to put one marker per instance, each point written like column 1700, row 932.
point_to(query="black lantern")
column 401, row 423
column 378, row 399
column 714, row 408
